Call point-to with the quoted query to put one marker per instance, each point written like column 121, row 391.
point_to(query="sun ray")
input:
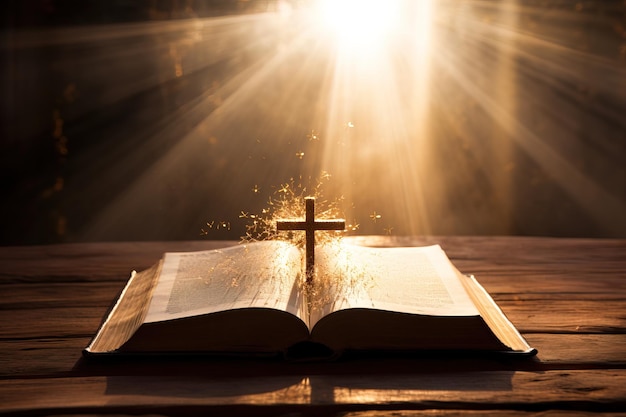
column 448, row 117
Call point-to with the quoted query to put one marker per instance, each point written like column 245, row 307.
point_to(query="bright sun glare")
column 433, row 117
column 359, row 22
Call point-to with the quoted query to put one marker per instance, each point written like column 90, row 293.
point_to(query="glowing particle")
column 244, row 215
column 313, row 136
column 255, row 189
column 300, row 155
column 388, row 230
column 284, row 188
column 375, row 216
column 353, row 227
column 204, row 232
column 350, row 125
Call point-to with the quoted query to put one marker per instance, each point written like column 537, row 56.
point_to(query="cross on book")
column 310, row 225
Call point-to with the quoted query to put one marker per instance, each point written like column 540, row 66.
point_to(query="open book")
column 251, row 300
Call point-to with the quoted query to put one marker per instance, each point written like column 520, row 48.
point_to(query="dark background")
column 83, row 118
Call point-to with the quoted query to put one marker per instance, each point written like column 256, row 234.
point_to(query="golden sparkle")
column 313, row 136
column 375, row 216
column 288, row 203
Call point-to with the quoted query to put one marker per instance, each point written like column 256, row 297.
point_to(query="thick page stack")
column 251, row 300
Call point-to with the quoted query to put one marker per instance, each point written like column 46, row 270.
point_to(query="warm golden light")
column 433, row 117
column 359, row 23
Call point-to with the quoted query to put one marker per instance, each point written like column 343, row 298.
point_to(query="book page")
column 261, row 274
column 127, row 313
column 494, row 317
column 414, row 280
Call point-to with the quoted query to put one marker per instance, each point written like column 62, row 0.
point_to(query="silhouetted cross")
column 310, row 225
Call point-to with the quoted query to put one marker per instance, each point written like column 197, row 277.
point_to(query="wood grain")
column 588, row 390
column 60, row 356
column 566, row 296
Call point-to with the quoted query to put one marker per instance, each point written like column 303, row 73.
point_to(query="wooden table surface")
column 566, row 296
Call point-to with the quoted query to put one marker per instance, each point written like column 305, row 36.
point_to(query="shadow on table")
column 317, row 389
column 369, row 375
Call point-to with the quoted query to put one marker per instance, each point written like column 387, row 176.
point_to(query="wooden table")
column 566, row 296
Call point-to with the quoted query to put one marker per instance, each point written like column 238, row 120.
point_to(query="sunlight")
column 431, row 117
column 381, row 93
column 359, row 23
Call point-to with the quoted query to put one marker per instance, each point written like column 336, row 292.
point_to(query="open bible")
column 252, row 300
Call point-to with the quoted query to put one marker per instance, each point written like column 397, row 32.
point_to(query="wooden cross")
column 310, row 225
